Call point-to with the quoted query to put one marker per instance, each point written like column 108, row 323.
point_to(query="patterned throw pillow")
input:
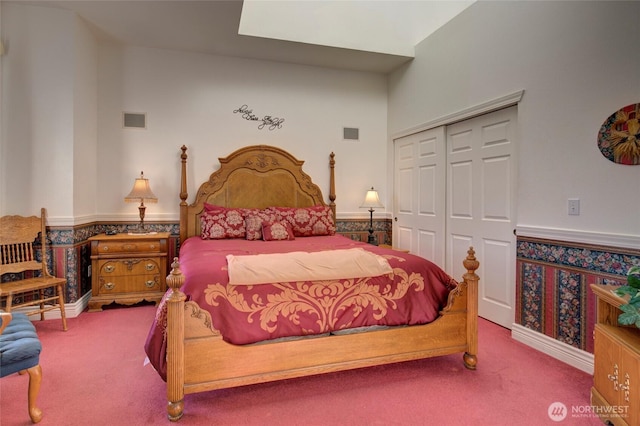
column 307, row 221
column 277, row 231
column 222, row 223
column 253, row 222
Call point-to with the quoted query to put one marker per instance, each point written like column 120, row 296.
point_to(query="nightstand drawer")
column 129, row 284
column 133, row 266
column 114, row 247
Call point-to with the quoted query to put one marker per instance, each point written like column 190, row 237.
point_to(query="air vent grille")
column 134, row 120
column 351, row 133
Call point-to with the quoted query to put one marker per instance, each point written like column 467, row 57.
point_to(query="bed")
column 244, row 326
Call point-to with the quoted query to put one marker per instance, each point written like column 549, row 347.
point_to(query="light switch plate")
column 574, row 206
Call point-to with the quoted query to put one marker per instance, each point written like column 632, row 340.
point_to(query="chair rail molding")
column 581, row 237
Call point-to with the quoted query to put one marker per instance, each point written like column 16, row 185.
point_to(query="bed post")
column 471, row 264
column 183, row 195
column 175, row 343
column 332, row 184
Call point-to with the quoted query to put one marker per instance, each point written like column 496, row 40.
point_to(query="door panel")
column 418, row 194
column 461, row 182
column 481, row 194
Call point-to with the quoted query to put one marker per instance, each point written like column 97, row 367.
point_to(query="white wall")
column 63, row 145
column 47, row 111
column 2, row 134
column 189, row 99
column 575, row 63
column 85, row 124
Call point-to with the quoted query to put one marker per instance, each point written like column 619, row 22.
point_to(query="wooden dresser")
column 128, row 269
column 615, row 395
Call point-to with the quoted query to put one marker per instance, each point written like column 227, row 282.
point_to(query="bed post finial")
column 332, row 184
column 471, row 263
column 183, row 194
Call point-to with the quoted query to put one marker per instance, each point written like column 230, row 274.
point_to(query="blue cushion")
column 19, row 346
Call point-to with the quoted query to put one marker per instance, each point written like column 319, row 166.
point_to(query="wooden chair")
column 20, row 353
column 17, row 256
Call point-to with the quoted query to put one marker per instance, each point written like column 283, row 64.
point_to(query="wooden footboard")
column 199, row 360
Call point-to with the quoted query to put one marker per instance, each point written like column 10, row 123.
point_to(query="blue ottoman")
column 19, row 352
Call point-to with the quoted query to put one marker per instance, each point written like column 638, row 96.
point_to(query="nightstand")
column 387, row 246
column 128, row 269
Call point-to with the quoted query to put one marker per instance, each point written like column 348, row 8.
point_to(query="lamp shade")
column 371, row 200
column 141, row 191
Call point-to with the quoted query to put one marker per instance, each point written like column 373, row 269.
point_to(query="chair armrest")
column 6, row 319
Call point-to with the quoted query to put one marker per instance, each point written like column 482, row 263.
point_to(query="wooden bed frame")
column 199, row 360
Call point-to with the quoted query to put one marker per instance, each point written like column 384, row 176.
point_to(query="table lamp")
column 371, row 200
column 141, row 192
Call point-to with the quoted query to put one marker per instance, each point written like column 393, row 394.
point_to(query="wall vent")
column 134, row 120
column 351, row 133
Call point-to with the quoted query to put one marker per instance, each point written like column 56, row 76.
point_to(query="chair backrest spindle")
column 17, row 237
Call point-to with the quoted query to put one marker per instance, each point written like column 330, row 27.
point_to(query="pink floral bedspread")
column 414, row 293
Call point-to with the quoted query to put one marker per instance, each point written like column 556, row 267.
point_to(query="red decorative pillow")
column 308, row 221
column 222, row 223
column 253, row 222
column 209, row 207
column 277, row 231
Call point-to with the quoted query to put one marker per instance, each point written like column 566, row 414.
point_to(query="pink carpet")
column 94, row 375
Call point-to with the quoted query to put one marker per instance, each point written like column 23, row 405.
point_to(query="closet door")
column 481, row 190
column 455, row 187
column 419, row 195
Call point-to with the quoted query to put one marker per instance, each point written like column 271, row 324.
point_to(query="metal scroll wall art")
column 268, row 121
column 619, row 136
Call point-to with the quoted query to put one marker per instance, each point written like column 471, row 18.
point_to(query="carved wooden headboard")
column 255, row 176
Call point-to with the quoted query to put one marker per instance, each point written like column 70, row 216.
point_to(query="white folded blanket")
column 303, row 266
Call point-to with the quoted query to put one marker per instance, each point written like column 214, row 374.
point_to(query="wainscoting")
column 553, row 295
column 358, row 229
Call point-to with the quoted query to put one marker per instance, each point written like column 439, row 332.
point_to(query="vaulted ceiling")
column 364, row 35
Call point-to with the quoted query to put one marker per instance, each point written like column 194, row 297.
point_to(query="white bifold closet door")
column 455, row 187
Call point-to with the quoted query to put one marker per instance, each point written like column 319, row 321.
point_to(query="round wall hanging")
column 619, row 136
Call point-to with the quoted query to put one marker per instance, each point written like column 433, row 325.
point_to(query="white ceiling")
column 364, row 35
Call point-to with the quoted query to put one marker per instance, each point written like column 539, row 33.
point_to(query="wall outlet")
column 574, row 206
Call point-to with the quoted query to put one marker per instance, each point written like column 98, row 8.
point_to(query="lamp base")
column 371, row 239
column 140, row 230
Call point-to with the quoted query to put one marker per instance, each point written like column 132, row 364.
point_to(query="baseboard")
column 561, row 351
column 71, row 310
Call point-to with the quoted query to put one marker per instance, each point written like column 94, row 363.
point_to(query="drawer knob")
column 150, row 266
column 152, row 246
column 150, row 283
column 109, row 268
column 109, row 286
column 105, row 248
